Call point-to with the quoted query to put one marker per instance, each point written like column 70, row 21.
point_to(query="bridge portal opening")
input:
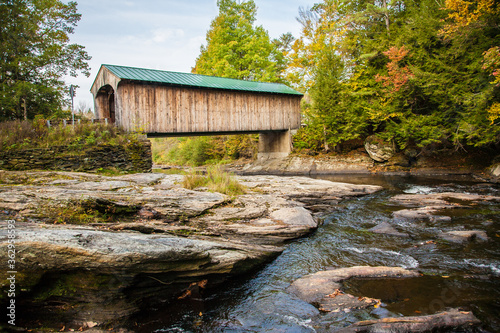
column 105, row 101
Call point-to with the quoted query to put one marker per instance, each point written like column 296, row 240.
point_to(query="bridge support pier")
column 274, row 145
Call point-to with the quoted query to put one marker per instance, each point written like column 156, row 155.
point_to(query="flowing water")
column 454, row 275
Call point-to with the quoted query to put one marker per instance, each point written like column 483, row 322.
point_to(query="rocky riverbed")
column 144, row 239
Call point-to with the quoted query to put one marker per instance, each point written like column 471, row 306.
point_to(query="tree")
column 237, row 49
column 416, row 73
column 35, row 54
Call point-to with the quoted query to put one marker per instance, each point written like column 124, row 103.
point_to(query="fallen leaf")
column 335, row 293
column 406, row 299
column 445, row 276
column 201, row 314
column 185, row 294
column 416, row 311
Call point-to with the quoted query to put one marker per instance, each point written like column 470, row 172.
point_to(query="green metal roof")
column 196, row 80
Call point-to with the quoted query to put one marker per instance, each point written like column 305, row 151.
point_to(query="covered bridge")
column 163, row 103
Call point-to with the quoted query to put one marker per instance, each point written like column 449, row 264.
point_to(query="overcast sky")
column 160, row 34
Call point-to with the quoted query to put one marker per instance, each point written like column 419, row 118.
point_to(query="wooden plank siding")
column 157, row 108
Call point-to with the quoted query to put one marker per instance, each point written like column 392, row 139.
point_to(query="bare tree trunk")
column 386, row 16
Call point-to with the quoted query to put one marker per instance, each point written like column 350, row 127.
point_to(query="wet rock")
column 445, row 199
column 417, row 213
column 312, row 288
column 340, row 302
column 387, row 229
column 426, row 205
column 378, row 149
column 448, row 320
column 465, row 236
column 439, row 218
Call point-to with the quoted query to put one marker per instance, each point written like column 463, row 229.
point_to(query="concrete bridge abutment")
column 275, row 144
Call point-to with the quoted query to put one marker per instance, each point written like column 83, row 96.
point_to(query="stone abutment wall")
column 133, row 156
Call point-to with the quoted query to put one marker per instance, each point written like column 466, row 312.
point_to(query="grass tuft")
column 216, row 180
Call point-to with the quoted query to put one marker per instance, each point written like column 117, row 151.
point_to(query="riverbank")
column 143, row 238
column 482, row 165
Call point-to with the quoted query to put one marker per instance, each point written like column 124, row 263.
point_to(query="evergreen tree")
column 35, row 54
column 237, row 49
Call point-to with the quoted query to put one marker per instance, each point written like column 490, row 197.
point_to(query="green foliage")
column 239, row 50
column 408, row 71
column 216, row 180
column 35, row 55
column 196, row 151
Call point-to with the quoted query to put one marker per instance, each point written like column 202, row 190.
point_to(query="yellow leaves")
column 463, row 13
column 494, row 113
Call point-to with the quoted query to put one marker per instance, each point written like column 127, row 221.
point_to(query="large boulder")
column 378, row 149
column 495, row 170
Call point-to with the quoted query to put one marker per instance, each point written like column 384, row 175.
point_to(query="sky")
column 160, row 34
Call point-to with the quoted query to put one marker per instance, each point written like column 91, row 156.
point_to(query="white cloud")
column 160, row 34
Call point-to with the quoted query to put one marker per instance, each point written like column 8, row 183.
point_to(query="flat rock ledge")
column 462, row 236
column 163, row 238
column 426, row 206
column 314, row 287
column 453, row 319
column 323, row 289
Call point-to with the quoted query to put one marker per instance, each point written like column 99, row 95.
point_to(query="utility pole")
column 72, row 93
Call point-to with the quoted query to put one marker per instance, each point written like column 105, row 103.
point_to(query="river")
column 454, row 275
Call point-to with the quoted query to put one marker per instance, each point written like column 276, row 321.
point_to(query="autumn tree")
column 35, row 54
column 414, row 72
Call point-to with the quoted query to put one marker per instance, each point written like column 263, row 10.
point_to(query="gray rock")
column 445, row 199
column 296, row 216
column 465, row 236
column 495, row 170
column 104, row 185
column 387, row 229
column 378, row 149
